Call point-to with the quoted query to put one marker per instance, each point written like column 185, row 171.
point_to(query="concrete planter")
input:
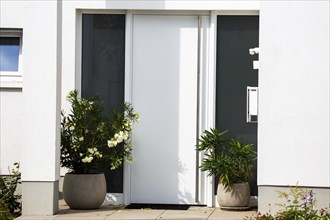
column 238, row 198
column 84, row 191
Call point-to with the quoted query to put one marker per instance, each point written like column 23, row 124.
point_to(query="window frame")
column 12, row 79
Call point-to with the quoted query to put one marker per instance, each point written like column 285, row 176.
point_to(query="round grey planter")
column 84, row 191
column 238, row 198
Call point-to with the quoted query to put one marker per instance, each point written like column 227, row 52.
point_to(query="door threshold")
column 160, row 206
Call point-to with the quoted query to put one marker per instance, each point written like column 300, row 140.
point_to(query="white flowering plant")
column 89, row 139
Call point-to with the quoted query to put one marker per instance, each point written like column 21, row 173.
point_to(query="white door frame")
column 210, row 90
column 208, row 80
column 205, row 183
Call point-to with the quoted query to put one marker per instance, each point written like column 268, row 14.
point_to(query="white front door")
column 165, row 57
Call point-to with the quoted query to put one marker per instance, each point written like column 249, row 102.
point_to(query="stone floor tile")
column 191, row 213
column 72, row 214
column 219, row 214
column 137, row 214
column 35, row 217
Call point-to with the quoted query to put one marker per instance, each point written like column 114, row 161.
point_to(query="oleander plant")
column 89, row 139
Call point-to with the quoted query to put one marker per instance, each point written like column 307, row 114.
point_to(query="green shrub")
column 10, row 205
column 89, row 140
column 299, row 205
column 230, row 160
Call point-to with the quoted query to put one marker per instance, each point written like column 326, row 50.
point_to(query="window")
column 10, row 57
column 9, row 52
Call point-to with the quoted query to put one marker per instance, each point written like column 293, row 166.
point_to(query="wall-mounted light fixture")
column 254, row 51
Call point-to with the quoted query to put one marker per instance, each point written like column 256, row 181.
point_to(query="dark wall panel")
column 235, row 36
column 103, row 70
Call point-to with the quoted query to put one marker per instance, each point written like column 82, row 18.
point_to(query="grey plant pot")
column 237, row 198
column 84, row 191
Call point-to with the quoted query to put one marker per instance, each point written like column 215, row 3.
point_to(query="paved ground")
column 116, row 212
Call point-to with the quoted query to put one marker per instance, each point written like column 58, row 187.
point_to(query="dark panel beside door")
column 235, row 36
column 103, row 71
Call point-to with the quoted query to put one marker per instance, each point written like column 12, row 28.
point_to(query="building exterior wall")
column 294, row 112
column 11, row 14
column 11, row 122
column 41, row 104
column 11, row 99
column 293, row 138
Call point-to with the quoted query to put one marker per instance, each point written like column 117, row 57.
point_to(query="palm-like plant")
column 230, row 160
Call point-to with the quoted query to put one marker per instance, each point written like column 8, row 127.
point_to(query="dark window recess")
column 103, row 71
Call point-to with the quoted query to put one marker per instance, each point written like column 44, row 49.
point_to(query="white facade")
column 294, row 94
column 11, row 100
column 294, row 97
column 293, row 123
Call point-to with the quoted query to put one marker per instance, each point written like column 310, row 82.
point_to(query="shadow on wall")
column 184, row 196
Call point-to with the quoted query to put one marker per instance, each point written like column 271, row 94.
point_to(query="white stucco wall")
column 41, row 91
column 10, row 99
column 26, row 128
column 10, row 128
column 16, row 14
column 293, row 141
column 291, row 59
column 11, row 14
column 293, row 81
